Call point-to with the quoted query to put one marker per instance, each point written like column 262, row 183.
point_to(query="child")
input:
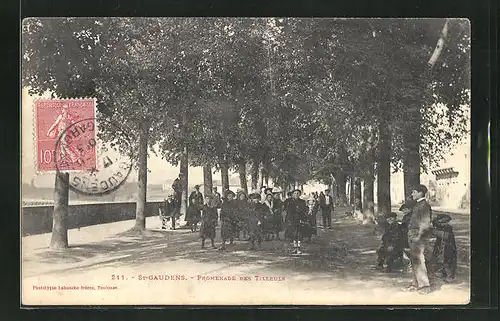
column 193, row 214
column 390, row 254
column 208, row 222
column 444, row 255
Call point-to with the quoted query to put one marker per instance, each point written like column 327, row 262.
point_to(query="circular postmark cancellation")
column 96, row 167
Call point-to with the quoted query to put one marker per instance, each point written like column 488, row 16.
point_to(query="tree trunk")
column 262, row 176
column 59, row 238
column 351, row 190
column 340, row 178
column 411, row 158
column 242, row 169
column 224, row 173
column 384, row 170
column 142, row 181
column 207, row 180
column 357, row 194
column 412, row 136
column 255, row 174
column 368, row 188
column 184, row 168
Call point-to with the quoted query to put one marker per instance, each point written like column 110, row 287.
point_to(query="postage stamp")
column 101, row 169
column 52, row 117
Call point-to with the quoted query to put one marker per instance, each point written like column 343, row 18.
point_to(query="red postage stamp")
column 52, row 118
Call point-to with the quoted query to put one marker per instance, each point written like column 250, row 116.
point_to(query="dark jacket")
column 393, row 236
column 322, row 202
column 198, row 196
column 296, row 211
column 421, row 218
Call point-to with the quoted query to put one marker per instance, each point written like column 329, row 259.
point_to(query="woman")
column 193, row 215
column 208, row 221
column 241, row 213
column 313, row 207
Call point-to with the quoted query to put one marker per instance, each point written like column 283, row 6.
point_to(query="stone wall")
column 38, row 219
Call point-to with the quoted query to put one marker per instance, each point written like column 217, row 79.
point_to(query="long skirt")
column 207, row 230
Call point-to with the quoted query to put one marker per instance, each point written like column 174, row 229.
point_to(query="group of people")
column 413, row 237
column 260, row 215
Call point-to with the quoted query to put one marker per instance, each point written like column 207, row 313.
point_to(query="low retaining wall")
column 38, row 219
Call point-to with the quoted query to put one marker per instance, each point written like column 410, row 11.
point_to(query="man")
column 177, row 187
column 196, row 194
column 297, row 216
column 419, row 232
column 216, row 198
column 390, row 254
column 326, row 204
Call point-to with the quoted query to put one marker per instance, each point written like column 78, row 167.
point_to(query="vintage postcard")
column 245, row 161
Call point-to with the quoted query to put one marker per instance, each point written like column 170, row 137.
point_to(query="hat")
column 442, row 218
column 276, row 190
column 239, row 190
column 391, row 214
column 254, row 196
column 297, row 190
column 197, row 186
column 421, row 188
column 409, row 204
column 229, row 192
column 268, row 190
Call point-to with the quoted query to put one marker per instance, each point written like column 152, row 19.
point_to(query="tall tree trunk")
column 60, row 215
column 142, row 181
column 224, row 173
column 242, row 170
column 351, row 190
column 255, row 174
column 207, row 180
column 341, row 188
column 184, row 169
column 384, row 170
column 368, row 188
column 357, row 194
column 412, row 137
column 411, row 157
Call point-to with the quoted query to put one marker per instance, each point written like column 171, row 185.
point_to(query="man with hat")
column 444, row 255
column 297, row 216
column 326, row 205
column 390, row 254
column 228, row 219
column 419, row 232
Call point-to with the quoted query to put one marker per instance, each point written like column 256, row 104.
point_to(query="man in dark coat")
column 390, row 254
column 177, row 187
column 444, row 256
column 326, row 205
column 228, row 219
column 419, row 232
column 297, row 216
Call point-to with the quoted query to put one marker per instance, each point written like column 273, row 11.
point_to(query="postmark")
column 52, row 117
column 98, row 167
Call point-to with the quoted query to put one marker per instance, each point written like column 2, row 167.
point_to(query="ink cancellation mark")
column 98, row 169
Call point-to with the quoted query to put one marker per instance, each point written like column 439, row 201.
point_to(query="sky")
column 160, row 169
